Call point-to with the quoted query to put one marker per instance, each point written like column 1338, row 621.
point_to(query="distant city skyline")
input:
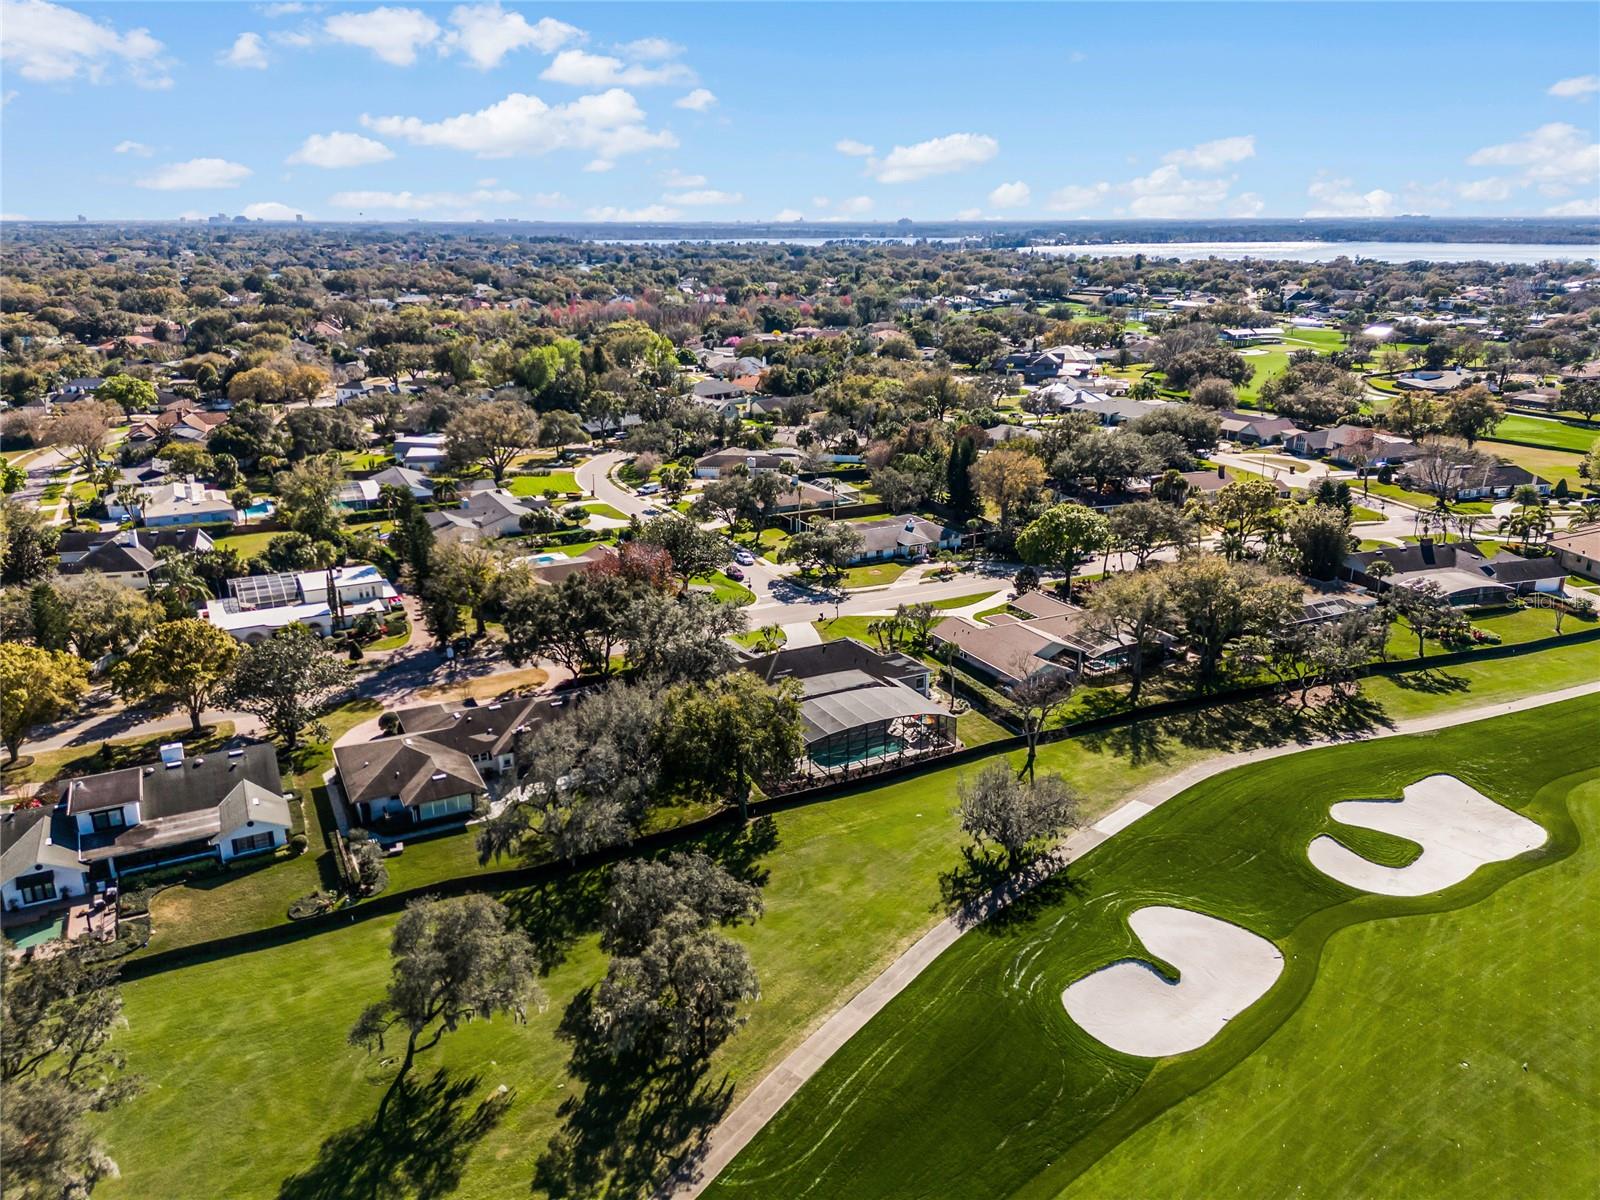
column 723, row 112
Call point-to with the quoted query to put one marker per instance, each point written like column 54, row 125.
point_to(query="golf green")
column 1417, row 1047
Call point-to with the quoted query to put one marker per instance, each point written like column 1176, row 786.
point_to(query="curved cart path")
column 773, row 1092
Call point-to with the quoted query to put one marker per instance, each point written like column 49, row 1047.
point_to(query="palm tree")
column 126, row 496
column 180, row 583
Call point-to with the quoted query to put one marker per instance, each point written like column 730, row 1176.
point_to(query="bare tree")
column 1039, row 693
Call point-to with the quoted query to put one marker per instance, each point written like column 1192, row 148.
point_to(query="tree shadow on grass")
column 982, row 892
column 556, row 912
column 632, row 1120
column 418, row 1154
column 740, row 847
column 1430, row 682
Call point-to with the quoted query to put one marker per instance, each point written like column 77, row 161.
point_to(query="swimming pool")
column 544, row 560
column 845, row 755
column 36, row 933
column 261, row 508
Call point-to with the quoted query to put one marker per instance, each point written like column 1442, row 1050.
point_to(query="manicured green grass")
column 975, row 1083
column 561, row 482
column 1556, row 435
column 247, row 544
column 873, row 574
column 1359, row 512
column 1551, row 465
column 1323, row 341
column 230, row 901
column 1477, row 1082
column 963, row 601
column 852, row 882
column 46, row 765
column 600, row 508
column 727, row 590
column 1266, row 366
column 1393, row 491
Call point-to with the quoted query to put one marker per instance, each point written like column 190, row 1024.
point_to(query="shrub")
column 299, row 843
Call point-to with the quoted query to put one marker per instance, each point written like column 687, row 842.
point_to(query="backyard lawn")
column 1548, row 464
column 1413, row 1047
column 560, row 482
column 247, row 544
column 1557, row 435
column 853, row 881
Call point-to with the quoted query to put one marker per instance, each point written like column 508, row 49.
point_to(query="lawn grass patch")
column 975, row 1083
column 248, row 545
column 852, row 883
column 561, row 482
column 873, row 574
column 1554, row 435
column 46, row 766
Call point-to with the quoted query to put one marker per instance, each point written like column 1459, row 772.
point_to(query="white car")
column 744, row 558
column 649, row 489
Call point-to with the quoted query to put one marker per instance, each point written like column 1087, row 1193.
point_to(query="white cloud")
column 1575, row 208
column 852, row 147
column 394, row 35
column 582, row 69
column 708, row 196
column 650, row 212
column 128, row 146
column 247, row 51
column 1556, row 154
column 421, row 201
column 699, row 100
column 196, row 173
column 1077, row 56
column 970, row 214
column 1246, row 204
column 1493, row 188
column 1212, row 156
column 296, row 39
column 854, row 206
column 608, row 124
column 1576, row 88
column 486, row 33
column 1167, row 193
column 790, row 214
column 271, row 210
column 49, row 43
column 820, row 202
column 936, row 156
column 598, row 166
column 547, row 199
column 334, row 150
column 281, row 10
column 1011, row 195
column 675, row 178
column 1337, row 197
column 650, row 49
column 1077, row 197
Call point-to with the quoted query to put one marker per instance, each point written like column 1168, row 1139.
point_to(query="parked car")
column 744, row 558
column 649, row 489
column 735, row 574
column 652, row 511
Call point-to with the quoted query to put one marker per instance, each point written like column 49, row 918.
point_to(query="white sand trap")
column 1458, row 828
column 1222, row 969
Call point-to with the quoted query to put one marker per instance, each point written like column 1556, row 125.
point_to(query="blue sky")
column 819, row 111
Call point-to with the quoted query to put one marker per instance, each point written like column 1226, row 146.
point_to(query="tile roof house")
column 1052, row 636
column 226, row 804
column 1466, row 577
column 483, row 515
column 1258, row 428
column 910, row 537
column 859, row 706
column 125, row 555
column 1578, row 550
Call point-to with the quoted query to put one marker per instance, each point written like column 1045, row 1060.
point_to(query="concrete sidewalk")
column 773, row 1092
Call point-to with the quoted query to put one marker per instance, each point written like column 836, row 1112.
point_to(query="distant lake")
column 1393, row 252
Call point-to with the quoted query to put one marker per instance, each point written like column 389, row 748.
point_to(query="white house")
column 258, row 606
column 181, row 502
column 39, row 864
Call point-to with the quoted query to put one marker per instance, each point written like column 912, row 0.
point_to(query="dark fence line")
column 529, row 876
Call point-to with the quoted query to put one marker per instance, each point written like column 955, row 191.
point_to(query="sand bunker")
column 1222, row 968
column 1458, row 828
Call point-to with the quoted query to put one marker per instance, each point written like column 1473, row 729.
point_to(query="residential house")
column 860, row 706
column 1338, row 442
column 1465, row 576
column 1495, row 480
column 552, row 566
column 257, row 606
column 39, row 863
column 483, row 516
column 486, row 733
column 722, row 463
column 1578, row 550
column 911, row 538
column 1251, row 337
column 225, row 805
column 721, row 397
column 125, row 555
column 1050, row 636
column 414, row 482
column 424, row 452
column 1256, row 428
column 408, row 780
column 178, row 502
column 1206, row 482
column 1040, row 366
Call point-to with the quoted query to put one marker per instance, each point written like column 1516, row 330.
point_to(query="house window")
column 252, row 843
column 110, row 818
column 36, row 889
column 431, row 810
